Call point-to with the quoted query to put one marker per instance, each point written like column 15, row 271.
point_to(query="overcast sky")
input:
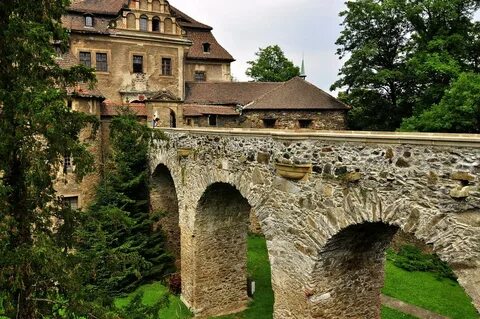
column 301, row 26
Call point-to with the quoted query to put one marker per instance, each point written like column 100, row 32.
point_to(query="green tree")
column 118, row 239
column 271, row 65
column 37, row 130
column 402, row 57
column 458, row 111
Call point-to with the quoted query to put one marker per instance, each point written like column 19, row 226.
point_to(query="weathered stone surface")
column 326, row 238
column 463, row 176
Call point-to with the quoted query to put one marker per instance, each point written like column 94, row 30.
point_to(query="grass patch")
column 153, row 292
column 258, row 267
column 428, row 291
column 389, row 313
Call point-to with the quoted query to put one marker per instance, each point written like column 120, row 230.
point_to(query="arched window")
column 156, row 5
column 156, row 24
column 89, row 21
column 131, row 21
column 168, row 25
column 143, row 5
column 173, row 119
column 143, row 23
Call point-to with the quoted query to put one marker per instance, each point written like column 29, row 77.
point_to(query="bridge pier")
column 214, row 254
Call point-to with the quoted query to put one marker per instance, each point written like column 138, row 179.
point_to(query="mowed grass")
column 424, row 289
column 389, row 313
column 258, row 267
column 152, row 293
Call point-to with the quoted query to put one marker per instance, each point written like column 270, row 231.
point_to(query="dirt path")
column 410, row 309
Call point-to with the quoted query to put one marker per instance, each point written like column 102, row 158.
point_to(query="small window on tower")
column 166, row 66
column 102, row 62
column 86, row 59
column 206, row 47
column 156, row 24
column 71, row 202
column 137, row 64
column 89, row 21
column 200, row 76
column 143, row 23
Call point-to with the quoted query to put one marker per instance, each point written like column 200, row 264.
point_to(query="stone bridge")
column 328, row 204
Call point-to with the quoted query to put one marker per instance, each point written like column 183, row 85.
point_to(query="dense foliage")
column 271, row 65
column 411, row 258
column 117, row 240
column 37, row 130
column 403, row 56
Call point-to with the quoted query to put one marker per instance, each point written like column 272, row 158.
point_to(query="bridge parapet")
column 316, row 194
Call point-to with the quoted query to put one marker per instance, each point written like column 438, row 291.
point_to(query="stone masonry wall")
column 427, row 185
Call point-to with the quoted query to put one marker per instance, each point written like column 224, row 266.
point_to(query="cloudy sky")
column 308, row 27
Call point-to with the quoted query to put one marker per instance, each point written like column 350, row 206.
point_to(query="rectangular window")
column 269, row 123
column 166, row 66
column 200, row 76
column 86, row 59
column 102, row 62
column 212, row 120
column 305, row 123
column 71, row 202
column 137, row 64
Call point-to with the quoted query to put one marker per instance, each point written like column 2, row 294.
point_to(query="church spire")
column 303, row 75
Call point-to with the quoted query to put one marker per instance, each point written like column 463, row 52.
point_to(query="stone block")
column 463, row 177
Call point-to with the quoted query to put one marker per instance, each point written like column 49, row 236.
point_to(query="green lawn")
column 388, row 313
column 151, row 293
column 443, row 296
column 259, row 270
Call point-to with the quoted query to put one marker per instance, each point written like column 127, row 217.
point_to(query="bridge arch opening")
column 349, row 274
column 163, row 201
column 218, row 277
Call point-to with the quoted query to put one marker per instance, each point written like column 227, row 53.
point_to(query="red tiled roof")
column 110, row 108
column 200, row 110
column 108, row 7
column 83, row 90
column 297, row 94
column 199, row 37
column 226, row 93
column 186, row 21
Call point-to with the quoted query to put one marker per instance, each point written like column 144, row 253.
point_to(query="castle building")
column 170, row 70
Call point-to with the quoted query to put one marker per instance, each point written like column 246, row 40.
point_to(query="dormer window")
column 206, row 47
column 88, row 21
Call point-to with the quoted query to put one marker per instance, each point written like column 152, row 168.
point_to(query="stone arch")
column 168, row 25
column 156, row 5
column 347, row 275
column 164, row 200
column 131, row 21
column 214, row 255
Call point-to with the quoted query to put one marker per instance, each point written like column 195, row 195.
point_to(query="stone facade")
column 75, row 192
column 328, row 213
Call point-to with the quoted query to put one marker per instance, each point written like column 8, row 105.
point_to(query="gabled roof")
column 198, row 38
column 110, row 108
column 226, row 93
column 186, row 21
column 200, row 110
column 295, row 94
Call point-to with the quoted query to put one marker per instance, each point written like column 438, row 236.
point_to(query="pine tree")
column 36, row 130
column 119, row 238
